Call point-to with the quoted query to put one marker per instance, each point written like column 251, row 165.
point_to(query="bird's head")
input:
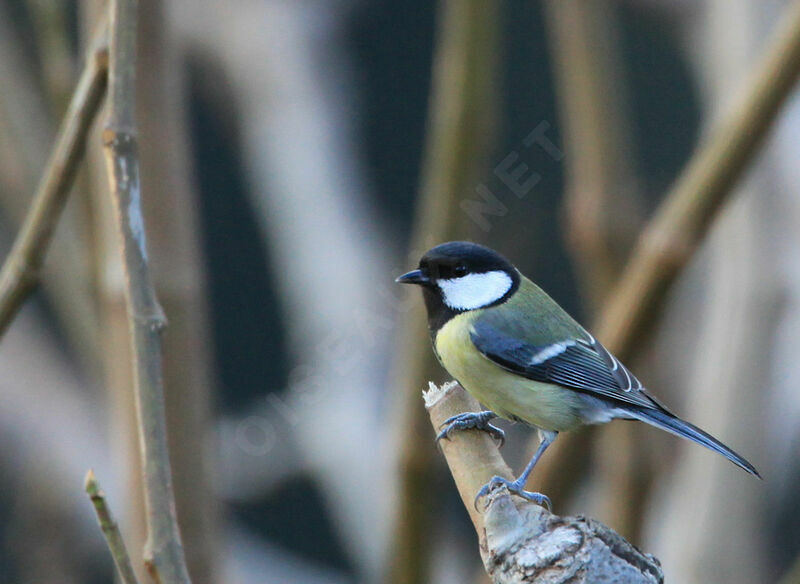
column 459, row 276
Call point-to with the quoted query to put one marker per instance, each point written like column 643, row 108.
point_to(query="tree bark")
column 163, row 552
column 519, row 541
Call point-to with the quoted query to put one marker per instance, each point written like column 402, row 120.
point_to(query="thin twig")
column 163, row 552
column 173, row 236
column 682, row 220
column 116, row 544
column 601, row 216
column 20, row 271
column 678, row 228
column 27, row 135
column 602, row 219
column 520, row 541
column 460, row 117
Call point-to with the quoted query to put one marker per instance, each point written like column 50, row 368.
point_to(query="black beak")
column 413, row 277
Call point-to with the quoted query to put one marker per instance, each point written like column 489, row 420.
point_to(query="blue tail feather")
column 674, row 425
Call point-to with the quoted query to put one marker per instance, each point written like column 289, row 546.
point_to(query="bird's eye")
column 459, row 270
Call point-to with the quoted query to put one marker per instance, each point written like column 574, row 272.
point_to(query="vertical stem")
column 461, row 116
column 173, row 240
column 601, row 217
column 683, row 219
column 602, row 220
column 163, row 551
column 106, row 273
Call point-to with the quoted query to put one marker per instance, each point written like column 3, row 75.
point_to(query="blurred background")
column 299, row 155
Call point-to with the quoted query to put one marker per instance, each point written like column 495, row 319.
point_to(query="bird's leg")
column 467, row 420
column 517, row 487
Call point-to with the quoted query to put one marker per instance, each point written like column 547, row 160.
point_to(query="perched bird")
column 523, row 357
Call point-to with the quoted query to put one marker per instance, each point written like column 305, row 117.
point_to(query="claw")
column 515, row 488
column 469, row 420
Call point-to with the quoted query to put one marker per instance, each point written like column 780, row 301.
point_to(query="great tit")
column 523, row 357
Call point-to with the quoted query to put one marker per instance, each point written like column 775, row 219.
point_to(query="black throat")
column 438, row 312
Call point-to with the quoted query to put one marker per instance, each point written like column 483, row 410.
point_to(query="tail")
column 674, row 425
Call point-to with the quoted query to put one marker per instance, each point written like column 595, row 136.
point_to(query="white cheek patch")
column 475, row 290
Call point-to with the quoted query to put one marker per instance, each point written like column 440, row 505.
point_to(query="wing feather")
column 583, row 364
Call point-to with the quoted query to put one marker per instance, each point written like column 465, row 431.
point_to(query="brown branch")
column 20, row 272
column 520, row 541
column 675, row 233
column 171, row 214
column 27, row 136
column 163, row 552
column 460, row 117
column 602, row 218
column 682, row 220
column 116, row 545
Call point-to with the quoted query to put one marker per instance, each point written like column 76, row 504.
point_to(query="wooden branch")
column 163, row 551
column 20, row 272
column 600, row 210
column 171, row 212
column 27, row 136
column 680, row 223
column 520, row 541
column 116, row 545
column 674, row 234
column 460, row 120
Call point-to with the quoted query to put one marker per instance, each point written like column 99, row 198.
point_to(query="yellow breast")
column 510, row 396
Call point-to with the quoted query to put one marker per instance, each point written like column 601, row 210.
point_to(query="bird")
column 525, row 359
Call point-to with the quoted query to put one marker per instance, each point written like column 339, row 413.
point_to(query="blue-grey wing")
column 626, row 380
column 582, row 364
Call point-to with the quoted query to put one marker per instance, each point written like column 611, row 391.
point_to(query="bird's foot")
column 515, row 488
column 476, row 420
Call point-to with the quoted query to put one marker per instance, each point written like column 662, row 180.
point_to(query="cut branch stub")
column 520, row 541
column 523, row 542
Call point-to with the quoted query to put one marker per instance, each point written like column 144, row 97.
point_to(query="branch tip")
column 436, row 392
column 110, row 529
column 521, row 541
column 91, row 486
